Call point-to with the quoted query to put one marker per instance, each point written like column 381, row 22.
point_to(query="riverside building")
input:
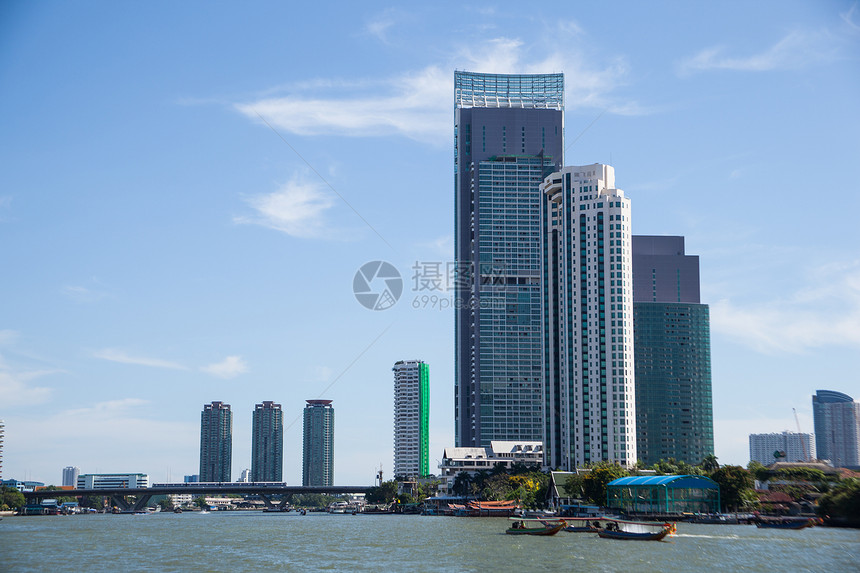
column 767, row 449
column 267, row 443
column 837, row 428
column 70, row 475
column 318, row 447
column 216, row 442
column 411, row 418
column 672, row 353
column 509, row 133
column 588, row 319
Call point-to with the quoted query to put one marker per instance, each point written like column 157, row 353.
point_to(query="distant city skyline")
column 184, row 223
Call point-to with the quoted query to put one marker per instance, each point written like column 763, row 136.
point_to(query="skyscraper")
column 267, row 442
column 588, row 319
column 785, row 447
column 837, row 428
column 411, row 418
column 2, row 433
column 508, row 132
column 70, row 475
column 216, row 442
column 672, row 340
column 318, row 438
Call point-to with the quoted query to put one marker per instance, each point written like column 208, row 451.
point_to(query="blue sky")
column 187, row 191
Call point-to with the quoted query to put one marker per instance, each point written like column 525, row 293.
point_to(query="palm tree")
column 710, row 463
column 461, row 484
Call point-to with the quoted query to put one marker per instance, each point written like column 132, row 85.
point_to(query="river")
column 254, row 541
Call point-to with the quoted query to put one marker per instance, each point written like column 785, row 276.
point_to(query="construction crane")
column 800, row 436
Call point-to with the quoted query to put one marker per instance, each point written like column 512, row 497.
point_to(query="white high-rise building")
column 70, row 475
column 588, row 319
column 785, row 447
column 411, row 418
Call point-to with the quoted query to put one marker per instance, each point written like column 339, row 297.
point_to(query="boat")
column 535, row 527
column 641, row 531
column 584, row 524
column 786, row 524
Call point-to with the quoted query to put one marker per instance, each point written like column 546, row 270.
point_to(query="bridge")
column 264, row 490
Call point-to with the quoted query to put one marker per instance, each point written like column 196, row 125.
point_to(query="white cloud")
column 825, row 313
column 16, row 390
column 379, row 25
column 796, row 50
column 417, row 104
column 297, row 209
column 8, row 336
column 123, row 357
column 230, row 367
column 848, row 18
column 82, row 294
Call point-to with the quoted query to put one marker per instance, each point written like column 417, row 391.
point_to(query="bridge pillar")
column 267, row 501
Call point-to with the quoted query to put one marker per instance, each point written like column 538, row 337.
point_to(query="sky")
column 187, row 191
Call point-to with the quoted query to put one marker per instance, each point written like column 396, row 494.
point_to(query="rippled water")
column 253, row 541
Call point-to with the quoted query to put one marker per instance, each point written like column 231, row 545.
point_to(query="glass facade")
column 674, row 413
column 318, row 443
column 267, row 443
column 508, row 136
column 216, row 443
column 672, row 335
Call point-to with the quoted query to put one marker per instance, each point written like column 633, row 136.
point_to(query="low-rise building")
column 108, row 481
column 471, row 459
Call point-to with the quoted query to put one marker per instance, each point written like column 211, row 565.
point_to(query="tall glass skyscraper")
column 674, row 412
column 318, row 438
column 508, row 135
column 411, row 418
column 216, row 442
column 588, row 319
column 837, row 428
column 267, row 442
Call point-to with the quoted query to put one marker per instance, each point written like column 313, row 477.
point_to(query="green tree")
column 93, row 502
column 594, row 483
column 758, row 471
column 166, row 504
column 574, row 486
column 462, row 484
column 11, row 498
column 201, row 502
column 842, row 501
column 734, row 481
column 385, row 493
column 710, row 464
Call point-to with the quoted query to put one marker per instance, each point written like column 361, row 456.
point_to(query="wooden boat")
column 786, row 524
column 535, row 527
column 584, row 524
column 641, row 531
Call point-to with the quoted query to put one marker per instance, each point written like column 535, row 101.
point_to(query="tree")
column 594, row 483
column 166, row 504
column 462, row 483
column 758, row 471
column 201, row 502
column 574, row 486
column 842, row 502
column 11, row 498
column 710, row 463
column 734, row 481
column 385, row 493
column 93, row 502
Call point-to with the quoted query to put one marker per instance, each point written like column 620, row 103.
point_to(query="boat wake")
column 708, row 536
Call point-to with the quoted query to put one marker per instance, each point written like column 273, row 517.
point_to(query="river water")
column 254, row 541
